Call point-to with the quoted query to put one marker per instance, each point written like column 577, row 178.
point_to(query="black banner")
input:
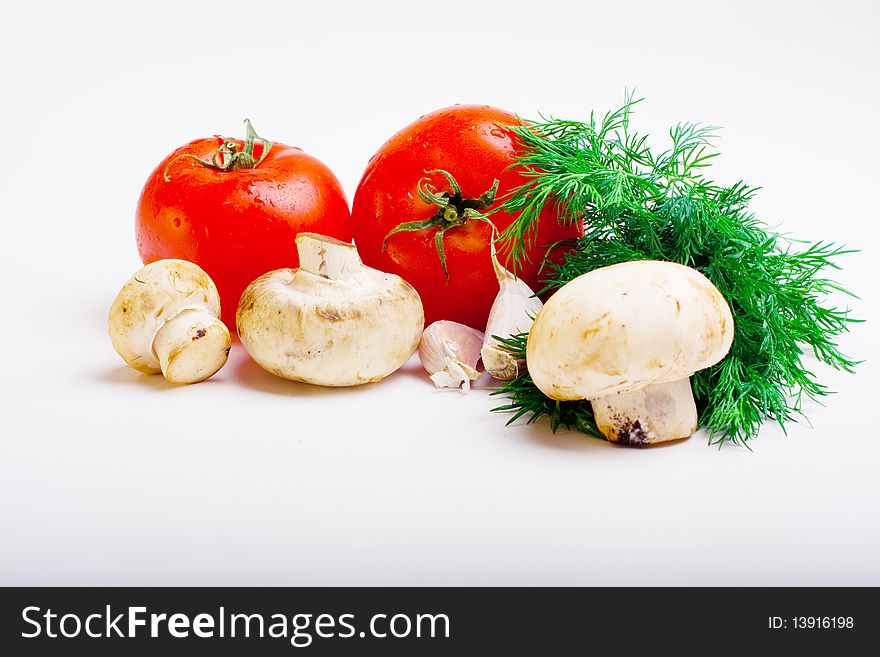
column 419, row 621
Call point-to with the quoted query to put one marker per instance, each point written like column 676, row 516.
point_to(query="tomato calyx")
column 228, row 157
column 453, row 210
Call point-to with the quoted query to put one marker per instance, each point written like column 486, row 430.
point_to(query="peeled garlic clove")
column 449, row 351
column 513, row 311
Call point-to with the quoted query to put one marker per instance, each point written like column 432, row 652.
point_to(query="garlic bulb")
column 449, row 351
column 513, row 311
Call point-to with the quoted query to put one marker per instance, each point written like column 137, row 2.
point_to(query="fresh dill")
column 638, row 204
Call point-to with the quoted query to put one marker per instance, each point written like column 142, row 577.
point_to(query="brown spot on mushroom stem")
column 199, row 334
column 632, row 433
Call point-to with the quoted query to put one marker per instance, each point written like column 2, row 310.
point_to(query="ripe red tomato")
column 239, row 223
column 471, row 143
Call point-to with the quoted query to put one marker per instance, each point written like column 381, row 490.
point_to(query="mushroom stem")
column 191, row 346
column 327, row 257
column 653, row 414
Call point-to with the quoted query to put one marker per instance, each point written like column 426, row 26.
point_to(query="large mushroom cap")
column 153, row 296
column 620, row 328
column 331, row 322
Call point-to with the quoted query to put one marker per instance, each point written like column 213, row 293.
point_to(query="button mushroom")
column 627, row 338
column 166, row 318
column 333, row 321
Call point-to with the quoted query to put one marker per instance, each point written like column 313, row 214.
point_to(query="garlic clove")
column 499, row 362
column 449, row 351
column 454, row 375
column 513, row 312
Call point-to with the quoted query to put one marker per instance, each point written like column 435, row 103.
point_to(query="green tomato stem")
column 452, row 210
column 228, row 157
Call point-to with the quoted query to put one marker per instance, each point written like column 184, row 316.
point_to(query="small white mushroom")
column 449, row 352
column 331, row 322
column 166, row 319
column 513, row 312
column 627, row 338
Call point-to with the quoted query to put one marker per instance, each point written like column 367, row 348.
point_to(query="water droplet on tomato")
column 497, row 132
column 177, row 222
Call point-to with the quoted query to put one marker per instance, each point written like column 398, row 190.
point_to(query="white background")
column 109, row 477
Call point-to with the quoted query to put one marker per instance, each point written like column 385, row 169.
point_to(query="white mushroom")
column 166, row 319
column 627, row 338
column 331, row 322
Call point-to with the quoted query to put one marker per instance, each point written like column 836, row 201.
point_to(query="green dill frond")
column 527, row 401
column 638, row 205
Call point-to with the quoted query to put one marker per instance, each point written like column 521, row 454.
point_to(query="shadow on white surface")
column 122, row 375
column 574, row 441
column 248, row 373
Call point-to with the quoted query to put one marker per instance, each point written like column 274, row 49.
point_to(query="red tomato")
column 239, row 223
column 471, row 143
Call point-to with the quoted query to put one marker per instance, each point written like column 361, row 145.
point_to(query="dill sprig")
column 636, row 204
column 525, row 402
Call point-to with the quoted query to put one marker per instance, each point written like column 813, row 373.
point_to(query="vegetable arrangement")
column 638, row 204
column 667, row 304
